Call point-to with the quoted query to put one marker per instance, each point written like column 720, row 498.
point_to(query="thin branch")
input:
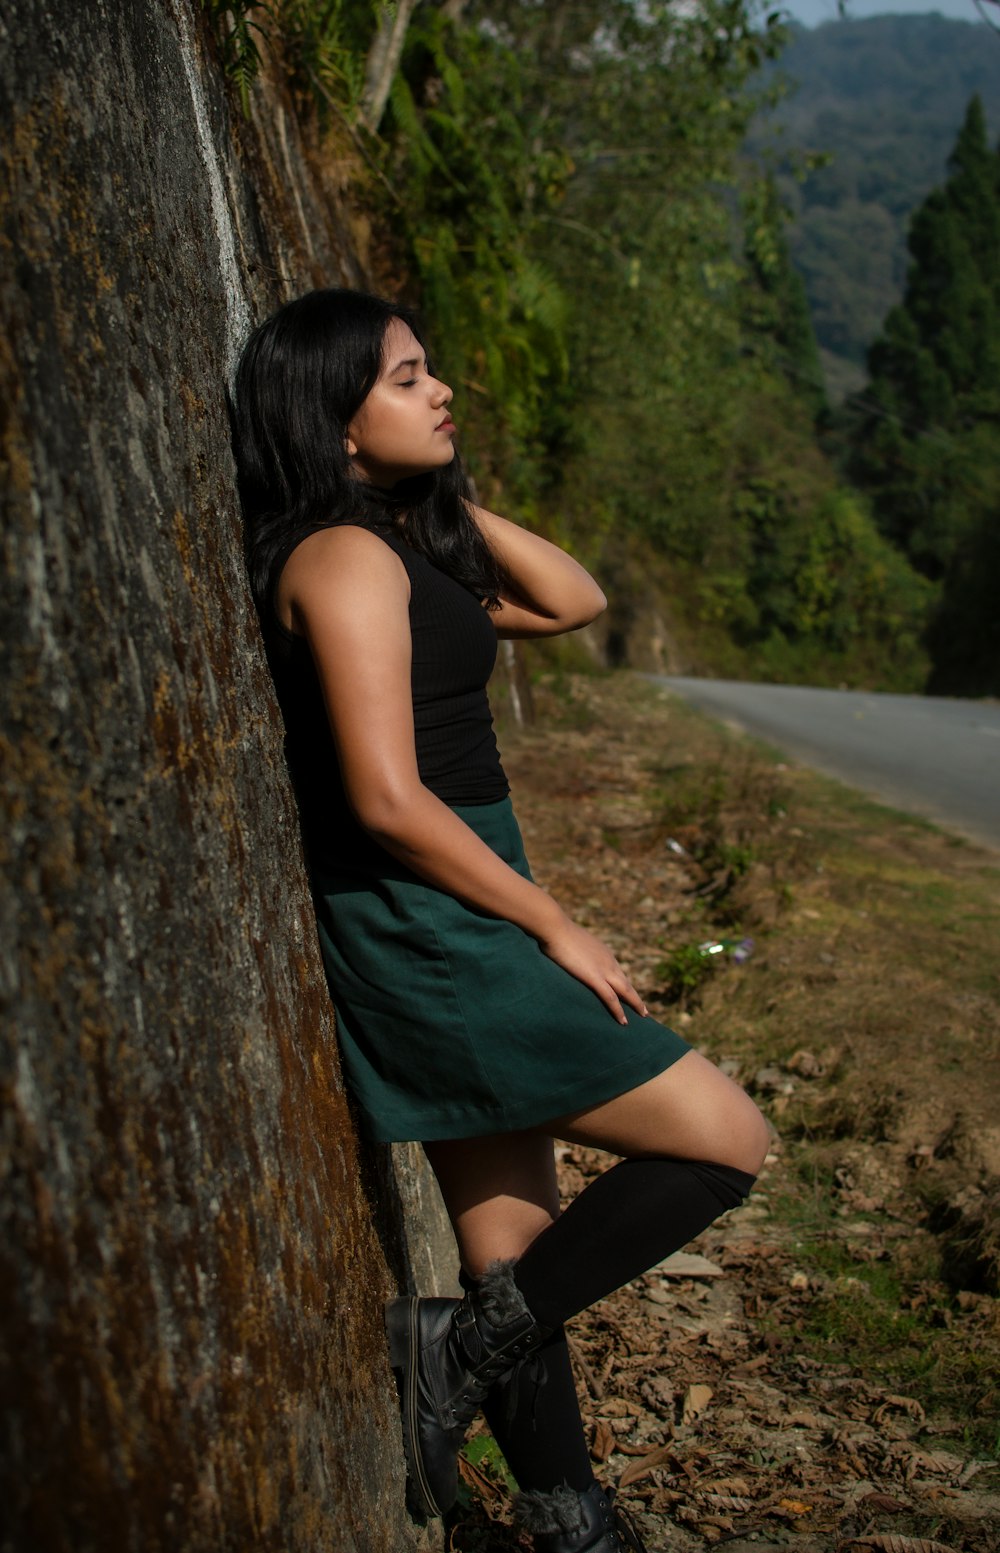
column 383, row 61
column 352, row 130
column 586, row 231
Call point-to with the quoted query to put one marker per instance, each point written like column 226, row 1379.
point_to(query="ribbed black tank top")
column 454, row 651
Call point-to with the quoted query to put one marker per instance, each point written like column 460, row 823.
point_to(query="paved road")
column 929, row 755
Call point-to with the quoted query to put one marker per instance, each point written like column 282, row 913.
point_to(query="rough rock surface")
column 194, row 1246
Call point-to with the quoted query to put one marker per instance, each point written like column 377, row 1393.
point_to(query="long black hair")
column 302, row 377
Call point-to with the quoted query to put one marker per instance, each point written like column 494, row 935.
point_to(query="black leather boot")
column 448, row 1353
column 568, row 1520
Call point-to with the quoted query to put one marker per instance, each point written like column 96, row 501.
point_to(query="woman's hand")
column 591, row 961
column 551, row 592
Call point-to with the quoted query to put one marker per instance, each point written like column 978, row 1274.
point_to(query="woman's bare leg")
column 502, row 1199
column 689, row 1111
column 500, row 1193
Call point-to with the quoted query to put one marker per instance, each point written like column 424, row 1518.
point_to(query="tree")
column 925, row 433
column 935, row 369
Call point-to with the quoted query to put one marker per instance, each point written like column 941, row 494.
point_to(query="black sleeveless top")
column 454, row 651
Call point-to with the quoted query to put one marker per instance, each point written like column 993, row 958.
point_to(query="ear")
column 352, row 447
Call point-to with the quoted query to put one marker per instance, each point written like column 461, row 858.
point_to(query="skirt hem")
column 576, row 1097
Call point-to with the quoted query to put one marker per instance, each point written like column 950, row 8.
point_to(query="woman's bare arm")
column 552, row 592
column 348, row 594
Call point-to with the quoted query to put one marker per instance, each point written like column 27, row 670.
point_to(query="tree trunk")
column 194, row 1246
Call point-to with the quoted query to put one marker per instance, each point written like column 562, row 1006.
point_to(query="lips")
column 446, row 425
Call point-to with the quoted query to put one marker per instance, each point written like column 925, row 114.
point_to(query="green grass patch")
column 901, row 1327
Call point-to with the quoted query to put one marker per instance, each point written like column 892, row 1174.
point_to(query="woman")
column 473, row 1014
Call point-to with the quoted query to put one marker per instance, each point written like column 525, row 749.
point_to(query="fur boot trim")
column 539, row 1512
column 501, row 1300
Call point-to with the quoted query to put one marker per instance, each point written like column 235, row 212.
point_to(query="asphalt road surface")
column 929, row 755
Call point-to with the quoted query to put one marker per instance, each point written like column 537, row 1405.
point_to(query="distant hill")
column 885, row 96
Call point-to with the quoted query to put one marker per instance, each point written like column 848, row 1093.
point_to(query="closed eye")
column 415, row 364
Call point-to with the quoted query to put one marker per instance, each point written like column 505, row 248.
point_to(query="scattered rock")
column 806, row 1065
column 773, row 1081
column 686, row 1264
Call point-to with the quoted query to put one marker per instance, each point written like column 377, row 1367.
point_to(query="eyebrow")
column 411, row 361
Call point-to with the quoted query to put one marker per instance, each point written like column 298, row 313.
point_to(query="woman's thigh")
column 689, row 1111
column 500, row 1193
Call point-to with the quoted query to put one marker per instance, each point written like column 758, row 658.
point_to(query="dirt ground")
column 821, row 1370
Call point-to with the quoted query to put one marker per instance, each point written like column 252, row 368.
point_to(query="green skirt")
column 453, row 1023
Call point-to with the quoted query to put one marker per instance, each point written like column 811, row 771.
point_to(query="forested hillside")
column 563, row 191
column 883, row 99
column 922, row 437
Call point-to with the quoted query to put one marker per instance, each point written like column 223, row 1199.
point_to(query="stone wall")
column 194, row 1249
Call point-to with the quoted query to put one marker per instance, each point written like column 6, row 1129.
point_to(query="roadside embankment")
column 827, row 1377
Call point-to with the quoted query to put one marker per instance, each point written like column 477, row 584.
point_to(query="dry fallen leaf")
column 648, row 1463
column 890, row 1404
column 888, row 1542
column 920, row 1463
column 794, row 1507
column 696, row 1399
column 712, row 1526
column 728, row 1486
column 883, row 1502
column 687, row 1264
column 479, row 1481
column 618, row 1407
column 728, row 1502
column 603, row 1443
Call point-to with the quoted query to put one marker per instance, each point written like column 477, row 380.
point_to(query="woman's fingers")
column 626, row 993
column 592, row 962
column 632, row 998
column 609, row 998
column 614, row 993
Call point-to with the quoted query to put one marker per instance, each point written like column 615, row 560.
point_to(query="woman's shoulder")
column 344, row 548
column 339, row 563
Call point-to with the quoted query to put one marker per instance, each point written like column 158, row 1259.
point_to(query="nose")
column 442, row 393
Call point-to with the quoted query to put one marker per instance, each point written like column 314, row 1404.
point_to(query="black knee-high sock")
column 535, row 1419
column 625, row 1222
column 534, row 1416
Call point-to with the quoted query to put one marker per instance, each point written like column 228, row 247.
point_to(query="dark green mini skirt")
column 453, row 1023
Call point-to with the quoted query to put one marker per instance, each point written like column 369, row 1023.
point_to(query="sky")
column 812, row 12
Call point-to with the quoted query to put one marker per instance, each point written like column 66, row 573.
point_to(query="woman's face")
column 403, row 428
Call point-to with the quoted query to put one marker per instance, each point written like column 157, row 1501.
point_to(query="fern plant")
column 238, row 25
column 325, row 43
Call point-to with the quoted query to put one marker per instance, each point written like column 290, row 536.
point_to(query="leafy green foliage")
column 608, row 287
column 239, row 26
column 924, row 436
column 682, row 973
column 322, row 41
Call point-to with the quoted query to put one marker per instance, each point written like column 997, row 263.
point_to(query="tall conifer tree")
column 935, row 369
column 925, row 433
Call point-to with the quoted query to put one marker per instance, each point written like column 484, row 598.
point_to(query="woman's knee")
column 751, row 1136
column 690, row 1111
